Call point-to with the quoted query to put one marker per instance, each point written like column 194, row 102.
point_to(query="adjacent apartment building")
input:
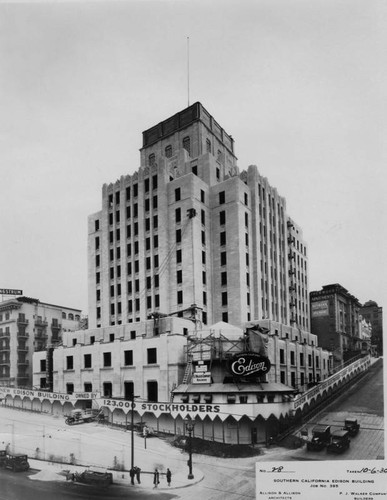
column 373, row 314
column 187, row 234
column 26, row 326
column 335, row 319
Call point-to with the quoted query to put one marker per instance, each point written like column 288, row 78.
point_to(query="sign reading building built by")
column 249, row 364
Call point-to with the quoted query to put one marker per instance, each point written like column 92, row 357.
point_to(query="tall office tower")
column 188, row 234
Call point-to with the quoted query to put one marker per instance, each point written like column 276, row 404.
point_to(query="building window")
column 222, row 197
column 208, row 145
column 42, row 365
column 204, row 298
column 96, row 225
column 282, row 356
column 224, row 298
column 223, row 258
column 218, row 173
column 187, row 144
column 203, row 238
column 87, row 361
column 301, row 359
column 222, row 218
column 69, row 388
column 202, row 196
column 107, row 359
column 292, row 358
column 177, row 215
column 223, row 238
column 178, row 256
column 107, row 389
column 155, row 202
column 146, row 185
column 180, row 296
column 152, row 387
column 246, row 219
column 204, row 277
column 195, row 170
column 177, row 194
column 178, row 235
column 128, row 390
column 156, row 261
column 155, row 222
column 151, row 159
column 128, row 355
column 203, row 257
column 225, row 317
column 152, row 355
column 179, row 276
column 168, row 151
column 223, row 278
column 155, row 241
column 203, row 217
column 246, row 199
column 88, row 387
column 309, row 360
column 69, row 363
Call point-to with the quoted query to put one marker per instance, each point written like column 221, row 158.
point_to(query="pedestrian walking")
column 156, row 478
column 138, row 473
column 132, row 473
column 169, row 477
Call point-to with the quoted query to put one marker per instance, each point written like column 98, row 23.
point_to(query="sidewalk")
column 52, row 471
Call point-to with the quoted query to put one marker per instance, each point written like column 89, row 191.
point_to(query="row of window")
column 302, row 361
column 106, row 359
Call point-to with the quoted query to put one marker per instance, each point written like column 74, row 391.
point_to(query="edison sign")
column 249, row 364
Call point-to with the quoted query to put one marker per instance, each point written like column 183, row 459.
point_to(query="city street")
column 46, row 437
column 363, row 401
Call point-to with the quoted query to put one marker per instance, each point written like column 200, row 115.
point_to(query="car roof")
column 340, row 433
column 320, row 428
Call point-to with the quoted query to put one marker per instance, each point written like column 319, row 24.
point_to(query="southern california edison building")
column 186, row 258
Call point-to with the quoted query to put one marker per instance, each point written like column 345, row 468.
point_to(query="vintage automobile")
column 339, row 442
column 352, row 426
column 103, row 479
column 321, row 435
column 16, row 462
column 84, row 416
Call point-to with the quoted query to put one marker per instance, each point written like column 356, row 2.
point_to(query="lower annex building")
column 176, row 371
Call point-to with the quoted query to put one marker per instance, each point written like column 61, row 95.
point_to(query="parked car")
column 15, row 462
column 352, row 426
column 339, row 442
column 84, row 416
column 321, row 435
column 102, row 479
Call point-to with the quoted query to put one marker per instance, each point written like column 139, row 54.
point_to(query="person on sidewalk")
column 156, row 478
column 132, row 473
column 169, row 477
column 138, row 473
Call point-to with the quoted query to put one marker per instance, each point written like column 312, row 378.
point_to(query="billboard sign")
column 249, row 364
column 10, row 291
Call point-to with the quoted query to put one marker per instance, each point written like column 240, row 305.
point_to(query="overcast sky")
column 299, row 84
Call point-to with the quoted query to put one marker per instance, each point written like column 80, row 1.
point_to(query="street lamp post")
column 132, row 437
column 189, row 425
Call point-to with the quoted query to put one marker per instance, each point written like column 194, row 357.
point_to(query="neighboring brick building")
column 188, row 234
column 28, row 325
column 335, row 321
column 374, row 315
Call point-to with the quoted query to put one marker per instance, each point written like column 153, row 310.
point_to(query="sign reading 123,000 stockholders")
column 249, row 364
